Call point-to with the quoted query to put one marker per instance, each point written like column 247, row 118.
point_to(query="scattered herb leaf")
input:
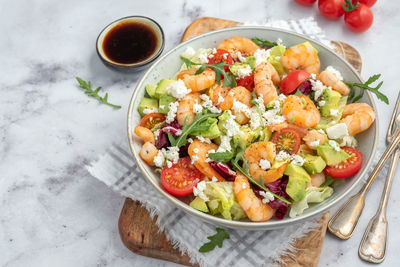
column 261, row 42
column 87, row 87
column 245, row 171
column 366, row 86
column 215, row 240
column 222, row 156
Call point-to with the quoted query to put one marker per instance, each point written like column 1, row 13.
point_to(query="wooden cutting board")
column 139, row 232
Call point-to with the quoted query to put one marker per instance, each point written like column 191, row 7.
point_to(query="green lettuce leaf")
column 313, row 195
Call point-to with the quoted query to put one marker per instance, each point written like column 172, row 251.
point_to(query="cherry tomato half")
column 247, row 82
column 151, row 120
column 290, row 83
column 219, row 56
column 180, row 179
column 305, row 2
column 347, row 167
column 287, row 139
column 331, row 9
column 360, row 19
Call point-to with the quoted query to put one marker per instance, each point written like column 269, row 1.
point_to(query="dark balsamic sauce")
column 130, row 42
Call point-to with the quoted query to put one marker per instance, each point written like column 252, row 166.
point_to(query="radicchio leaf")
column 224, row 169
column 305, row 87
column 174, row 128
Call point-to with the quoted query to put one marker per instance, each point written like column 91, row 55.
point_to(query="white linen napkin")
column 117, row 169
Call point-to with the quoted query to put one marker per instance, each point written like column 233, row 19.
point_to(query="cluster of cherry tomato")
column 357, row 13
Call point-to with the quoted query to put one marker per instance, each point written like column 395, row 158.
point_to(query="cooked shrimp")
column 300, row 111
column 278, row 126
column 358, row 117
column 263, row 151
column 148, row 152
column 263, row 82
column 185, row 108
column 301, row 56
column 239, row 44
column 224, row 98
column 201, row 150
column 255, row 209
column 330, row 79
column 317, row 179
column 198, row 82
column 315, row 138
column 146, row 134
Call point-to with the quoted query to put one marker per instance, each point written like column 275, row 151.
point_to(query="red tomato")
column 287, row 139
column 360, row 19
column 151, row 120
column 305, row 2
column 247, row 82
column 290, row 83
column 367, row 2
column 180, row 179
column 347, row 167
column 331, row 9
column 219, row 56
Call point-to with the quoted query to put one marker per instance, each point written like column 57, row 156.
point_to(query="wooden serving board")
column 139, row 232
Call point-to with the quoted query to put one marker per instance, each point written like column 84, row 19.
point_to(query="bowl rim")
column 139, row 64
column 244, row 224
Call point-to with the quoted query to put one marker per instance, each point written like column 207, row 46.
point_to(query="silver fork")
column 373, row 244
column 345, row 220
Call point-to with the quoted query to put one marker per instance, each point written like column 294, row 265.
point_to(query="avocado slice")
column 330, row 155
column 297, row 171
column 212, row 130
column 247, row 136
column 274, row 59
column 147, row 103
column 331, row 98
column 296, row 188
column 151, row 90
column 162, row 87
column 313, row 164
column 199, row 204
column 237, row 66
column 165, row 100
column 265, row 134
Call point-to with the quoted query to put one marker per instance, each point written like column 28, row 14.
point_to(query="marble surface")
column 51, row 210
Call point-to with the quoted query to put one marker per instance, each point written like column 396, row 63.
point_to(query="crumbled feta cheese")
column 322, row 103
column 162, row 106
column 190, row 140
column 297, row 160
column 348, row 140
column 240, row 57
column 334, row 112
column 225, row 144
column 335, row 72
column 337, row 131
column 159, row 159
column 255, row 119
column 198, row 190
column 208, row 160
column 189, row 52
column 244, row 185
column 197, row 108
column 334, row 144
column 202, row 58
column 265, row 164
column 318, row 87
column 210, row 56
column 178, row 89
column 208, row 104
column 169, row 164
column 195, row 158
column 214, row 179
column 243, row 72
column 231, row 126
column 150, row 110
column 282, row 156
column 321, row 131
column 173, row 108
column 279, row 41
column 267, row 197
column 261, row 55
column 172, row 153
column 196, row 150
column 240, row 107
column 225, row 56
column 314, row 144
column 231, row 93
column 282, row 98
column 156, row 133
column 203, row 139
column 220, row 99
column 214, row 50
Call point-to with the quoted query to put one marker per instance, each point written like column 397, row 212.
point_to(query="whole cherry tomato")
column 331, row 9
column 359, row 19
column 367, row 2
column 306, row 2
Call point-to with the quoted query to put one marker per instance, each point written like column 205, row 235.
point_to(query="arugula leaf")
column 261, row 42
column 215, row 240
column 245, row 171
column 366, row 86
column 194, row 126
column 222, row 156
column 229, row 79
column 87, row 87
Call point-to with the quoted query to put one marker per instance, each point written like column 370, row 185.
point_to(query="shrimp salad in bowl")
column 252, row 130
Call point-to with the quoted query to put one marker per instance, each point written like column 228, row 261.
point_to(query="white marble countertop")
column 51, row 210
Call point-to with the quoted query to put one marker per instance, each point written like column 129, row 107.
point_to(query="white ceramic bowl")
column 168, row 65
